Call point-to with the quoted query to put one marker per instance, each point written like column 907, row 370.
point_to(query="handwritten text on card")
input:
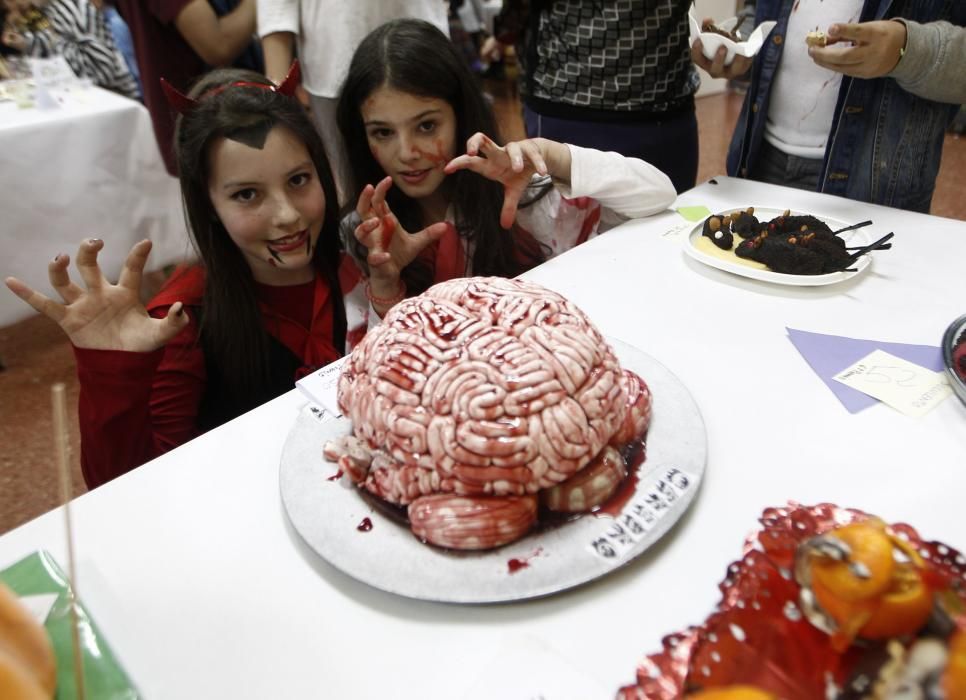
column 907, row 387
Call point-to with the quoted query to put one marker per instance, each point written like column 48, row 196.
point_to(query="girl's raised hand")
column 104, row 316
column 513, row 165
column 390, row 246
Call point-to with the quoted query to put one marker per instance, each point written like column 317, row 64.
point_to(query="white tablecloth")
column 90, row 168
column 193, row 572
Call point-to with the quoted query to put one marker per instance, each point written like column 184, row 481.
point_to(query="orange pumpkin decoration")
column 877, row 591
column 954, row 678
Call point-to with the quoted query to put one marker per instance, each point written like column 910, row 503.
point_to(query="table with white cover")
column 89, row 168
column 204, row 589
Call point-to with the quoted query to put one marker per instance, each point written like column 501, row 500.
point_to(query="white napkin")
column 711, row 41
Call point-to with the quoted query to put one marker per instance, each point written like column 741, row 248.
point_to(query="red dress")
column 135, row 406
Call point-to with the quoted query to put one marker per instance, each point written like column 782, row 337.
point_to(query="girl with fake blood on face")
column 271, row 296
column 425, row 157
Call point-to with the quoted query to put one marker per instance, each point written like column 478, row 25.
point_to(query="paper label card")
column 322, row 386
column 907, row 387
column 51, row 72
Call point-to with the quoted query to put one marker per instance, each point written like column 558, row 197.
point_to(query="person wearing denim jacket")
column 885, row 143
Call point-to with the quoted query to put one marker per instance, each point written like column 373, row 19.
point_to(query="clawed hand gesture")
column 513, row 165
column 103, row 316
column 390, row 246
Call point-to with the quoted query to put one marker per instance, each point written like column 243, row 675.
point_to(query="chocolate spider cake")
column 792, row 244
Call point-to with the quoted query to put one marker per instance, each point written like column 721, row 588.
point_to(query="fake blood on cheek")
column 439, row 158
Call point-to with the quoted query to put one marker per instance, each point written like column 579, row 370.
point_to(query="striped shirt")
column 80, row 33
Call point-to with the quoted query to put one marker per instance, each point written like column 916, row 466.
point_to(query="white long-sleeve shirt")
column 606, row 189
column 328, row 32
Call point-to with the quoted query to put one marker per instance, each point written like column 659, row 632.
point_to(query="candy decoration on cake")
column 481, row 401
column 826, row 602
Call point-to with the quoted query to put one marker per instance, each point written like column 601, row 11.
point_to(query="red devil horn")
column 292, row 80
column 181, row 103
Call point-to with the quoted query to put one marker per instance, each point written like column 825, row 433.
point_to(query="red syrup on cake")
column 634, row 455
column 489, row 468
column 365, row 525
column 336, row 476
column 514, row 565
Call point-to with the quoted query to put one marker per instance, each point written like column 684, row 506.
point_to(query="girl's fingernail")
column 94, row 241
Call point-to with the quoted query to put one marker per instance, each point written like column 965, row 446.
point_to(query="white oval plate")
column 326, row 514
column 737, row 266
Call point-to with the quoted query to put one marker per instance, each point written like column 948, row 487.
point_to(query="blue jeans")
column 885, row 144
column 779, row 168
column 671, row 145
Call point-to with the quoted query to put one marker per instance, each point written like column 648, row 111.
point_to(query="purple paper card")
column 828, row 355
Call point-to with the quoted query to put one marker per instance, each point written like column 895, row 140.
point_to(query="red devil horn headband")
column 184, row 104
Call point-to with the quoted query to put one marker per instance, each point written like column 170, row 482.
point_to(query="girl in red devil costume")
column 271, row 298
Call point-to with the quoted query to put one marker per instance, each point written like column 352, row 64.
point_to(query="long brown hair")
column 413, row 56
column 233, row 335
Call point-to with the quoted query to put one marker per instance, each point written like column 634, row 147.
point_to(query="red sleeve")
column 135, row 406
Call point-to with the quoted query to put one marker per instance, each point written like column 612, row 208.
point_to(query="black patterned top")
column 608, row 59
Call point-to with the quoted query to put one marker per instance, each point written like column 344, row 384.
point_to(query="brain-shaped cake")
column 472, row 402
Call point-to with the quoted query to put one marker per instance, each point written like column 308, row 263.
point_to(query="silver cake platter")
column 332, row 516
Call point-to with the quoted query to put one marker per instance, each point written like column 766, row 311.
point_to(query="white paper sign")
column 322, row 386
column 50, row 73
column 907, row 387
